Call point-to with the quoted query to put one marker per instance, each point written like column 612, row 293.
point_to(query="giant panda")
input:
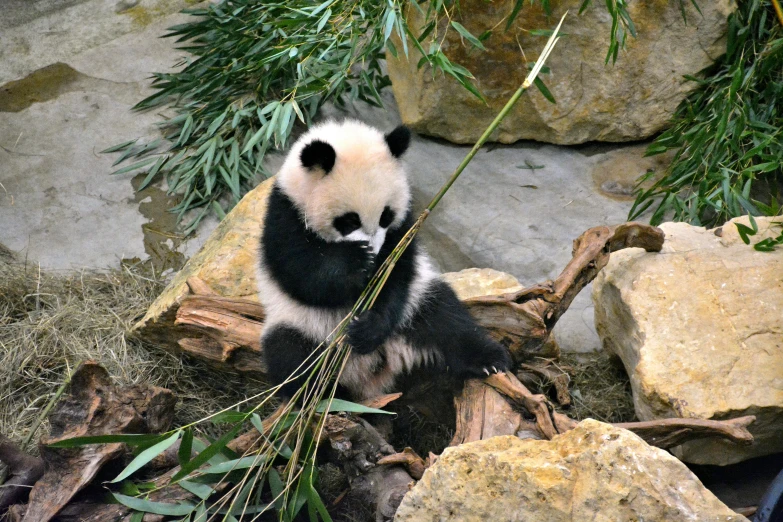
column 339, row 205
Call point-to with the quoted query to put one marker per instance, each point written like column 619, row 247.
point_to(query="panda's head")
column 347, row 181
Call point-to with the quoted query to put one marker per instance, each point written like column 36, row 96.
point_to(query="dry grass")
column 50, row 322
column 599, row 387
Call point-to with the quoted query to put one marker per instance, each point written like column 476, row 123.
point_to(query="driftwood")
column 667, row 433
column 223, row 331
column 528, row 316
column 357, row 447
column 94, row 407
column 481, row 414
column 544, row 372
column 226, row 331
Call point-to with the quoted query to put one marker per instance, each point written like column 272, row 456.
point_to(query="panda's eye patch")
column 347, row 223
column 387, row 216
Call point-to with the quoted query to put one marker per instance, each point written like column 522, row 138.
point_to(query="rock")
column 475, row 282
column 698, row 327
column 226, row 262
column 617, row 172
column 631, row 100
column 593, row 472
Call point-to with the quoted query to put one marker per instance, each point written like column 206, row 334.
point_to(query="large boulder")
column 698, row 328
column 631, row 100
column 593, row 472
column 226, row 262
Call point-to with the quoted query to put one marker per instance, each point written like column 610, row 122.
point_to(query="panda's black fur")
column 311, row 281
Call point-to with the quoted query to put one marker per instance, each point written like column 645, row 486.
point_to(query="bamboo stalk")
column 324, row 367
column 778, row 10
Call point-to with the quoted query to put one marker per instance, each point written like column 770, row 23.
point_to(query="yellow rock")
column 226, row 262
column 593, row 472
column 698, row 327
column 475, row 282
column 630, row 100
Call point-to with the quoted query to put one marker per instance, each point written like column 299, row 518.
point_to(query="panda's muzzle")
column 375, row 240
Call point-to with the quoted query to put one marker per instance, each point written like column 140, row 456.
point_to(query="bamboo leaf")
column 277, row 488
column 251, row 461
column 514, row 12
column 185, row 447
column 158, row 508
column 152, row 173
column 347, row 406
column 202, row 491
column 130, row 439
column 543, row 89
column 135, row 166
column 208, row 452
column 468, row 35
column 117, row 148
column 145, row 456
column 322, row 22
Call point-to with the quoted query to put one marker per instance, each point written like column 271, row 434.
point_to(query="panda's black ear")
column 318, row 153
column 398, row 140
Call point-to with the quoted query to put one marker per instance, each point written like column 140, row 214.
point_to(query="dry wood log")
column 223, row 331
column 357, row 447
column 94, row 406
column 537, row 404
column 542, row 373
column 667, row 433
column 528, row 316
column 482, row 414
column 408, row 458
column 24, row 471
column 746, row 511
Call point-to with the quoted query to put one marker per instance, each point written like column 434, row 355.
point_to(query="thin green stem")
column 46, row 410
column 499, row 118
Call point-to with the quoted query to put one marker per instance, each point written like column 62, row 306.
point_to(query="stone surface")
column 58, row 204
column 593, row 472
column 616, row 174
column 698, row 327
column 630, row 100
column 475, row 282
column 37, row 33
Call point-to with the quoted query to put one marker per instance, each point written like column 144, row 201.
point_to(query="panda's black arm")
column 374, row 327
column 311, row 270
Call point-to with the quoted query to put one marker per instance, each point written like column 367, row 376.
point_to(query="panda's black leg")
column 285, row 349
column 445, row 323
column 477, row 355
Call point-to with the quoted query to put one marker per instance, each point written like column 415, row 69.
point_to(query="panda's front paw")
column 366, row 332
column 365, row 257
